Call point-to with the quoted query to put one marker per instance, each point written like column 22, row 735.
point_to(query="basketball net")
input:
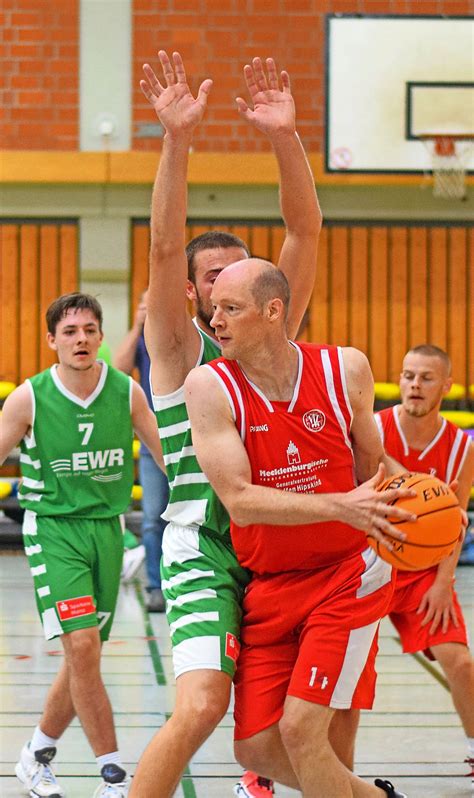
column 449, row 157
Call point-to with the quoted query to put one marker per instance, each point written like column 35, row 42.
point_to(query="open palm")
column 175, row 106
column 273, row 107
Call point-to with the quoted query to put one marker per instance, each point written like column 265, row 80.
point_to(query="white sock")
column 109, row 759
column 470, row 747
column 41, row 740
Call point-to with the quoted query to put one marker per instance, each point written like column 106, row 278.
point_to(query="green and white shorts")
column 204, row 586
column 75, row 564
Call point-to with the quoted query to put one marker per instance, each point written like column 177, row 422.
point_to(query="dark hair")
column 269, row 284
column 430, row 350
column 212, row 239
column 77, row 301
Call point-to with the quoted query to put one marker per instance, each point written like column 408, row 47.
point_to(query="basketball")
column 435, row 533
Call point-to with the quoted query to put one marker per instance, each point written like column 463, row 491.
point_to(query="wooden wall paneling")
column 260, row 241
column 31, row 325
column 277, row 237
column 359, row 287
column 378, row 316
column 140, row 264
column 68, row 261
column 241, row 231
column 338, row 277
column 49, row 290
column 437, row 286
column 457, row 344
column 319, row 304
column 9, row 298
column 417, row 297
column 398, row 305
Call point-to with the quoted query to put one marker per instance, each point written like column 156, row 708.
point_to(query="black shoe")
column 388, row 787
column 155, row 601
column 112, row 773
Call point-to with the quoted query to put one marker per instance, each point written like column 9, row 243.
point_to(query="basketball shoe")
column 388, row 787
column 251, row 785
column 36, row 774
column 115, row 784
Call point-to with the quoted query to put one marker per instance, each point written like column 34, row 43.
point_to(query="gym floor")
column 412, row 737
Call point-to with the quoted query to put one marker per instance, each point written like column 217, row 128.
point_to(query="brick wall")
column 39, row 62
column 39, row 51
column 217, row 37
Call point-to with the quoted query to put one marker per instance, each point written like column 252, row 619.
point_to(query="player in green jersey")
column 75, row 425
column 202, row 581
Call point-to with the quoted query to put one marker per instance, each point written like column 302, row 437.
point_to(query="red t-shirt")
column 443, row 457
column 303, row 445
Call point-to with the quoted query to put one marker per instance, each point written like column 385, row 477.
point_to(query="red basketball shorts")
column 403, row 614
column 312, row 635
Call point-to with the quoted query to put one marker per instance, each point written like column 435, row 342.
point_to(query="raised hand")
column 175, row 106
column 273, row 110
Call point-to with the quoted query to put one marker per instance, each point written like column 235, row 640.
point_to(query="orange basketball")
column 433, row 536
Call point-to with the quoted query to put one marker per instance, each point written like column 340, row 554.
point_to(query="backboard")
column 391, row 80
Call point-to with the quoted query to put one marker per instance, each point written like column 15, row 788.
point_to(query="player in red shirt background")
column 425, row 609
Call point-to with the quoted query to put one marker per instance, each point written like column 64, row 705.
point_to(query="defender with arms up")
column 202, row 580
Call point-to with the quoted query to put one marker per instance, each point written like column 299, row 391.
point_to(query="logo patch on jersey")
column 91, row 462
column 232, row 646
column 75, row 607
column 293, row 454
column 314, row 420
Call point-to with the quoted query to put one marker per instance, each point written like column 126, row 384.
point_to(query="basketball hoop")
column 449, row 155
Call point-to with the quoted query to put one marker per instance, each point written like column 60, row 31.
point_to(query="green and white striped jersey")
column 192, row 501
column 78, row 459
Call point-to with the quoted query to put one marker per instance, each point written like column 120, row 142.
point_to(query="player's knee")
column 205, row 709
column 301, row 721
column 459, row 666
column 82, row 649
column 249, row 754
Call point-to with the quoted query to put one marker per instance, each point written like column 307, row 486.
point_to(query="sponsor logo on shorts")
column 75, row 607
column 232, row 646
column 318, row 679
column 259, row 428
column 314, row 420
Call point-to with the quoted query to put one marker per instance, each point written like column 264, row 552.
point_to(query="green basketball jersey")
column 191, row 498
column 78, row 459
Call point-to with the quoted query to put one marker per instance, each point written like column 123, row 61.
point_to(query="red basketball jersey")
column 443, row 457
column 303, row 445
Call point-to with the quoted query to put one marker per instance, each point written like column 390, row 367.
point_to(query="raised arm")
column 15, row 420
column 272, row 112
column 217, row 444
column 171, row 338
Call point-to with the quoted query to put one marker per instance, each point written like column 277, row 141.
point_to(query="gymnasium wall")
column 40, row 61
column 55, row 170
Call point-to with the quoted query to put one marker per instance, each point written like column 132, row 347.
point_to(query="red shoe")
column 251, row 785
